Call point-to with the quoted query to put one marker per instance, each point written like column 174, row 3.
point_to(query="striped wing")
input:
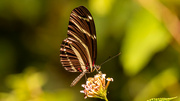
column 78, row 51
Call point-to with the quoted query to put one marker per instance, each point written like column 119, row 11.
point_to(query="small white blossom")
column 96, row 87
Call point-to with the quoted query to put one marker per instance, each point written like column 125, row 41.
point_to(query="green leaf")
column 162, row 99
column 145, row 36
column 158, row 84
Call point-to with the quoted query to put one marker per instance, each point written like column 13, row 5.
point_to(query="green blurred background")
column 146, row 32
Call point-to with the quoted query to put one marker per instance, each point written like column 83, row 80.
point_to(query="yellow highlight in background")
column 101, row 7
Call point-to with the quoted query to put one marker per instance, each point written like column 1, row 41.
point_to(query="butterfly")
column 78, row 51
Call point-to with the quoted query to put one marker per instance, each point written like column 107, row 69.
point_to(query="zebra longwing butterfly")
column 78, row 51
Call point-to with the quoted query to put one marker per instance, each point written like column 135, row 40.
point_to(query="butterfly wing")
column 79, row 50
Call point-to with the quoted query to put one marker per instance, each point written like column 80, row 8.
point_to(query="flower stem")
column 106, row 99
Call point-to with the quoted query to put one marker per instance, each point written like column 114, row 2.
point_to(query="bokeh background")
column 146, row 32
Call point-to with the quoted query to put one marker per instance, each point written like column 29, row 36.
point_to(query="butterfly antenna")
column 110, row 58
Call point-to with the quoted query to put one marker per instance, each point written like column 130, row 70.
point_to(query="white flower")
column 96, row 87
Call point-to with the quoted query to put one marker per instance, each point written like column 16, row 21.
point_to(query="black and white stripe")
column 78, row 52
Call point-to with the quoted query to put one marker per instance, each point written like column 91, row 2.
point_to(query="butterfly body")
column 78, row 51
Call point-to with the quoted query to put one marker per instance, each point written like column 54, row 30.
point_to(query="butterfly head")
column 96, row 67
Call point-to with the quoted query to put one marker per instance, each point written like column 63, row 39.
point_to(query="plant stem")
column 106, row 99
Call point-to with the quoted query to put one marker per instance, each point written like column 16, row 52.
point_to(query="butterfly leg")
column 77, row 79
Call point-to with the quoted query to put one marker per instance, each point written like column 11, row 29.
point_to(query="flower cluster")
column 96, row 87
